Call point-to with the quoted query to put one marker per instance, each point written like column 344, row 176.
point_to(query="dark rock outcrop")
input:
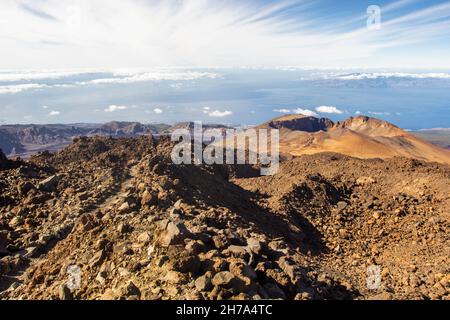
column 301, row 123
column 3, row 160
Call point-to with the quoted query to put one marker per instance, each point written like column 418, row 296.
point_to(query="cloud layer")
column 20, row 87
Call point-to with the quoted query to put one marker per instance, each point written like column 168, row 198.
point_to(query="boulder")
column 97, row 259
column 241, row 269
column 49, row 184
column 101, row 277
column 203, row 283
column 173, row 277
column 220, row 241
column 16, row 221
column 223, row 279
column 124, row 227
column 341, row 205
column 130, row 289
column 237, row 251
column 255, row 246
column 195, row 246
column 124, row 207
column 147, row 198
column 144, row 237
column 177, row 205
column 182, row 261
column 174, row 234
column 289, row 268
column 24, row 187
column 228, row 280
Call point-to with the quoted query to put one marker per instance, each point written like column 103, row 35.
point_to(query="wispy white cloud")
column 176, row 85
column 200, row 32
column 120, row 78
column 380, row 113
column 305, row 112
column 283, row 110
column 216, row 113
column 37, row 75
column 158, row 111
column 20, row 87
column 329, row 109
column 36, row 12
column 113, row 108
column 54, row 113
column 378, row 75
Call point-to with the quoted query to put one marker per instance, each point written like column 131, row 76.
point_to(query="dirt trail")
column 112, row 197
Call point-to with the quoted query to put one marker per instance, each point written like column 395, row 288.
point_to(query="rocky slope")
column 135, row 226
column 10, row 142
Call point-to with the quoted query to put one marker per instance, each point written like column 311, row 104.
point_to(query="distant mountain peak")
column 371, row 126
column 361, row 136
column 365, row 120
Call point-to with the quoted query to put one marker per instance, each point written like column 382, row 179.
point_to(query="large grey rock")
column 49, row 184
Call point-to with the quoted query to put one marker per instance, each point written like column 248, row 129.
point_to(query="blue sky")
column 53, row 34
column 223, row 61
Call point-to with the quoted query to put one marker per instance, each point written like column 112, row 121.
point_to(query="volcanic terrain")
column 114, row 218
